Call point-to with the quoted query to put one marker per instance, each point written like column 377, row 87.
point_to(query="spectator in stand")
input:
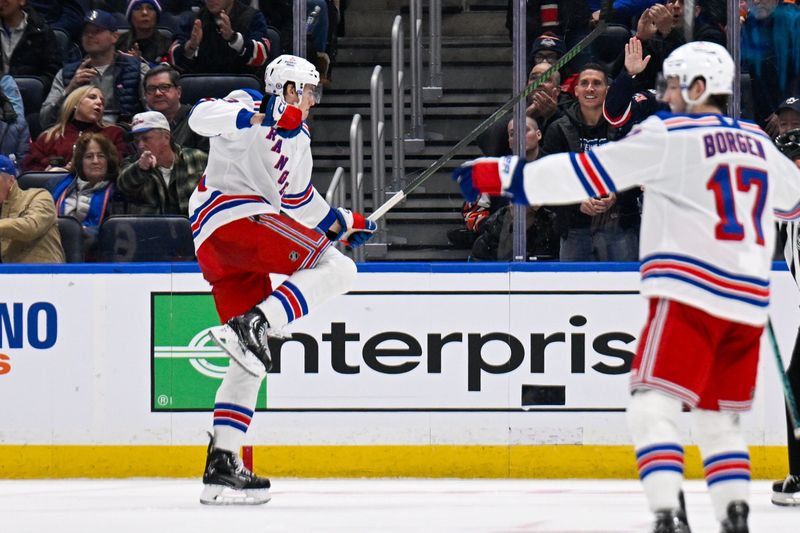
column 28, row 44
column 66, row 15
column 705, row 28
column 165, row 174
column 81, row 111
column 144, row 40
column 118, row 75
column 495, row 231
column 321, row 39
column 15, row 138
column 623, row 106
column 226, row 37
column 623, row 10
column 544, row 105
column 788, row 115
column 87, row 193
column 771, row 54
column 540, row 16
column 547, row 48
column 602, row 229
column 162, row 92
column 660, row 29
column 546, row 102
column 28, row 222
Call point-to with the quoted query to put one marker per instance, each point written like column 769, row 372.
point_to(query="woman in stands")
column 144, row 40
column 82, row 111
column 88, row 192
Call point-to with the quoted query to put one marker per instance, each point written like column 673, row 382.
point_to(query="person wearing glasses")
column 162, row 93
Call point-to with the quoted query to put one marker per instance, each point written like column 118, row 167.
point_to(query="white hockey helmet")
column 701, row 59
column 289, row 68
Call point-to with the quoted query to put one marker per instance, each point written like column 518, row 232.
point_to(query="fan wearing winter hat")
column 144, row 40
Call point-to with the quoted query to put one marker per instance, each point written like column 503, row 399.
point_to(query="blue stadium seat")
column 71, row 239
column 41, row 180
column 32, row 90
column 197, row 86
column 69, row 50
column 133, row 238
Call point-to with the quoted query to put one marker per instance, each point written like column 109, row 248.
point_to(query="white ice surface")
column 382, row 505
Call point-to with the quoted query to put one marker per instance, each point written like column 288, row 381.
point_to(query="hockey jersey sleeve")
column 221, row 116
column 785, row 180
column 572, row 177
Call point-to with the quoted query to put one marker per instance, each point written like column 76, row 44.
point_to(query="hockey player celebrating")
column 255, row 213
column 712, row 184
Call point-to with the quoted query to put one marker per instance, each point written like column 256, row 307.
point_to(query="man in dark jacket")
column 226, row 37
column 28, row 44
column 604, row 229
column 118, row 75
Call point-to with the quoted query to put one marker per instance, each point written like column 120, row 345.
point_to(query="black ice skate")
column 787, row 491
column 244, row 339
column 736, row 522
column 226, row 481
column 671, row 521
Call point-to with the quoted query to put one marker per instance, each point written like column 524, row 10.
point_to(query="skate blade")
column 221, row 495
column 226, row 339
column 786, row 500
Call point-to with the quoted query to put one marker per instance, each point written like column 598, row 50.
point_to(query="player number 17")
column 729, row 228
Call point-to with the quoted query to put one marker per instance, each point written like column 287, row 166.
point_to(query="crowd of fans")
column 111, row 127
column 106, row 65
column 598, row 96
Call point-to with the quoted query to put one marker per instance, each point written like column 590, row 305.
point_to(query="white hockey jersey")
column 253, row 170
column 711, row 186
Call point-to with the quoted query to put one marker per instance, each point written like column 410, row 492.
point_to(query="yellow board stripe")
column 554, row 462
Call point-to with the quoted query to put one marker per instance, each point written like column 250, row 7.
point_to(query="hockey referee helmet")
column 789, row 144
column 289, row 68
column 701, row 59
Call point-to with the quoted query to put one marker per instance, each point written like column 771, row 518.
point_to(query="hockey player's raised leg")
column 652, row 420
column 334, row 274
column 226, row 480
column 726, row 463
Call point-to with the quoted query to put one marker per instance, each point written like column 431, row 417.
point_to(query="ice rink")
column 363, row 505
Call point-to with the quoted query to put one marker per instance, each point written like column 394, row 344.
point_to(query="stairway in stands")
column 476, row 71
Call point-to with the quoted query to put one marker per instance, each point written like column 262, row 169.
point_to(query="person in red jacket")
column 81, row 111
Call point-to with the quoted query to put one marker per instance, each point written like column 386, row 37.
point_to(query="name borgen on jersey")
column 278, row 180
column 707, row 234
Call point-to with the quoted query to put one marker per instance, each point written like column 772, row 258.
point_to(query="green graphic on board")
column 188, row 366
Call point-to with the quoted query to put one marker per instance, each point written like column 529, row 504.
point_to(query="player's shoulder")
column 248, row 97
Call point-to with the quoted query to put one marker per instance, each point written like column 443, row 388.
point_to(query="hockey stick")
column 791, row 403
column 497, row 115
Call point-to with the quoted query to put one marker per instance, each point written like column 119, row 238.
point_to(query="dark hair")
column 174, row 75
column 108, row 148
column 720, row 101
column 595, row 66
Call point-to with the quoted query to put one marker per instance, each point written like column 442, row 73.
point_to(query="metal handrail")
column 378, row 124
column 415, row 60
column 398, row 104
column 434, row 88
column 336, row 193
column 357, row 174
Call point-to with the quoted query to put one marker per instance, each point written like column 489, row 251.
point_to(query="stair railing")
column 357, row 175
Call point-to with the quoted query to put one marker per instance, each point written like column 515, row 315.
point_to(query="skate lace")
column 242, row 470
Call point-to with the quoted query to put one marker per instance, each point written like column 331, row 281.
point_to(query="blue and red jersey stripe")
column 749, row 290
